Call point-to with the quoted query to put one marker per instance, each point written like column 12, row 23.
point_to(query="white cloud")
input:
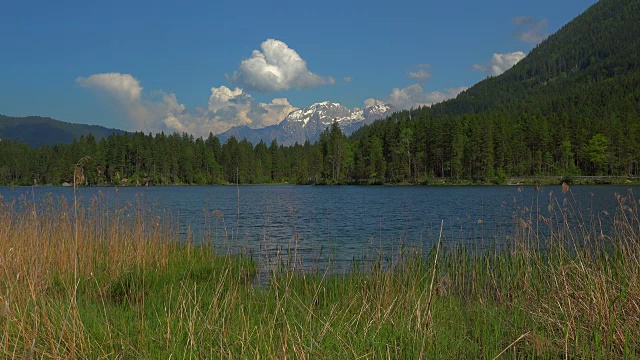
column 414, row 96
column 124, row 87
column 277, row 67
column 373, row 102
column 500, row 63
column 226, row 108
column 530, row 30
column 347, row 79
column 420, row 73
column 125, row 92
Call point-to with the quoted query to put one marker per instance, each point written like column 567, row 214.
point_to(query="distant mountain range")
column 300, row 125
column 309, row 122
column 37, row 131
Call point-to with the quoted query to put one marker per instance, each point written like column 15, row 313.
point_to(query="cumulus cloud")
column 125, row 93
column 226, row 108
column 373, row 102
column 420, row 73
column 123, row 87
column 347, row 79
column 414, row 96
column 500, row 63
column 529, row 29
column 277, row 67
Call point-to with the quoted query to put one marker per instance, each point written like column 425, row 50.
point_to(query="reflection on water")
column 313, row 226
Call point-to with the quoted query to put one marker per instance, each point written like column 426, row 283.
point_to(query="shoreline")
column 512, row 181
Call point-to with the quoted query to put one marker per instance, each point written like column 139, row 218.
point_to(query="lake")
column 319, row 225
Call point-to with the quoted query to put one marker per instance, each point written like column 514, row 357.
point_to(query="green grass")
column 139, row 292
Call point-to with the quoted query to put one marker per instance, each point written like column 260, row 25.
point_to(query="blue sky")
column 206, row 66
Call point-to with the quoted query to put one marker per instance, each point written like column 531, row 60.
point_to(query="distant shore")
column 512, row 181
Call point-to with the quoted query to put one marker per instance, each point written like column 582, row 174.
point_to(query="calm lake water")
column 336, row 225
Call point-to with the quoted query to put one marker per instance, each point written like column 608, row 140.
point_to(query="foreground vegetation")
column 93, row 282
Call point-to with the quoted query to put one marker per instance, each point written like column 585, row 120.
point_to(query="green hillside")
column 37, row 131
column 594, row 59
column 571, row 107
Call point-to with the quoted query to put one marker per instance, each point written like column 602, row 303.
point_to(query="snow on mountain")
column 377, row 111
column 309, row 122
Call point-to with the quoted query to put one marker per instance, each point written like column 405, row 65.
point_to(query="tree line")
column 413, row 146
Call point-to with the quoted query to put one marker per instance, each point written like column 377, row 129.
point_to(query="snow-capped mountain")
column 308, row 123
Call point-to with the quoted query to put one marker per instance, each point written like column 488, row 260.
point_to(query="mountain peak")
column 309, row 122
column 326, row 103
column 325, row 110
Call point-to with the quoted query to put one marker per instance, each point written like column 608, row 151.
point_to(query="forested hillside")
column 576, row 64
column 571, row 107
column 37, row 131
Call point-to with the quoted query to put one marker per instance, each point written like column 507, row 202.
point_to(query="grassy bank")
column 95, row 283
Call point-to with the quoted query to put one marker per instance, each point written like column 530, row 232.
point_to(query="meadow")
column 87, row 281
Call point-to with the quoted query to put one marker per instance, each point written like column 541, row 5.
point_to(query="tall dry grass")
column 589, row 288
column 566, row 287
column 47, row 249
column 576, row 276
